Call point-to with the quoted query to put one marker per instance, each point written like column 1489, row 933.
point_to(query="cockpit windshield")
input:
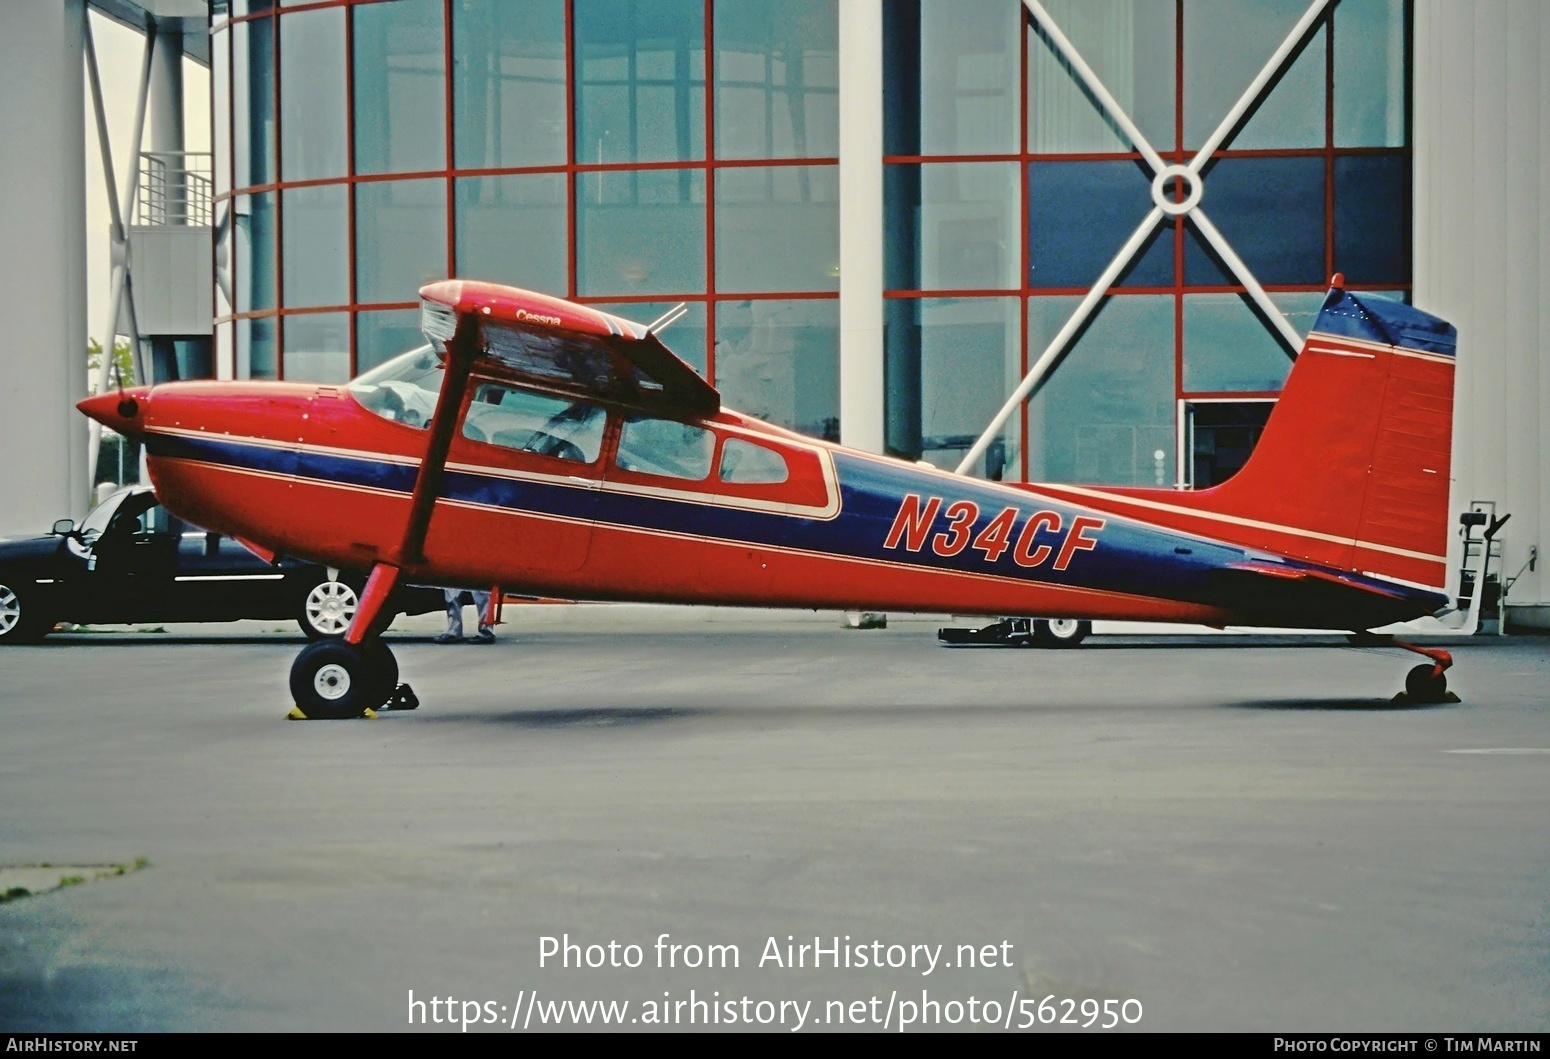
column 403, row 389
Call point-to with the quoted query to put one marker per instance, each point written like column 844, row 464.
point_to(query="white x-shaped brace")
column 1163, row 176
column 121, row 299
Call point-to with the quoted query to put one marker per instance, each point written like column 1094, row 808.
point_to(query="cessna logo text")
column 538, row 318
column 1041, row 537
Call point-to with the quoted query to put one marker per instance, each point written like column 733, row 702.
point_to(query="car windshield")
column 97, row 521
column 404, row 389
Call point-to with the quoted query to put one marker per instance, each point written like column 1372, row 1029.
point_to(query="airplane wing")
column 555, row 344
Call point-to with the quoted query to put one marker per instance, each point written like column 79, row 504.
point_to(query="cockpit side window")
column 543, row 423
column 665, row 447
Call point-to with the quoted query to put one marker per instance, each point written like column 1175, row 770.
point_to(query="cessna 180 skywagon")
column 545, row 447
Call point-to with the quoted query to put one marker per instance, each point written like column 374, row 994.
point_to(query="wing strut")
column 462, row 351
column 335, row 680
column 372, row 615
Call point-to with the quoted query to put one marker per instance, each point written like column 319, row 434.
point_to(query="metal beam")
column 1266, row 73
column 117, row 234
column 1219, row 242
column 1162, row 174
column 863, row 401
column 1094, row 84
column 1057, row 347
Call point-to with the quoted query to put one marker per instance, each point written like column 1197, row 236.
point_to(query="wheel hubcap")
column 330, row 607
column 1063, row 628
column 10, row 609
column 332, row 682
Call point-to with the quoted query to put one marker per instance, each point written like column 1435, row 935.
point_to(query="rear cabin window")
column 535, row 422
column 744, row 463
column 665, row 447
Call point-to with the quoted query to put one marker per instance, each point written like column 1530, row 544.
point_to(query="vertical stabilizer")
column 1353, row 467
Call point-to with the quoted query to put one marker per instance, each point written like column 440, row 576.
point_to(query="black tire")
column 21, row 621
column 327, row 609
column 1060, row 632
column 1423, row 684
column 331, row 679
column 381, row 673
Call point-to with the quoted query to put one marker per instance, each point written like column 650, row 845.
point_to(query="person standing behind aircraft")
column 454, row 632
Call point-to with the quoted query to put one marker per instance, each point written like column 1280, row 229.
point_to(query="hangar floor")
column 1237, row 834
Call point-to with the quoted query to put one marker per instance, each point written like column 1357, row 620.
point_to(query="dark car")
column 131, row 560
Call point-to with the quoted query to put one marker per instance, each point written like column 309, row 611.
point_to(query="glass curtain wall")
column 1010, row 189
column 637, row 153
column 630, row 154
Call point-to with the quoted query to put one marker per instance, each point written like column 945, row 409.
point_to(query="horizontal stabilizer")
column 1298, row 596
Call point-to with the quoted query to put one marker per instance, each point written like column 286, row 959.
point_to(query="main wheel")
column 1060, row 632
column 328, row 610
column 381, row 673
column 1424, row 684
column 333, row 679
column 20, row 619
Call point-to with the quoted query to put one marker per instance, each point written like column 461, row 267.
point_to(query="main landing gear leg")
column 334, row 679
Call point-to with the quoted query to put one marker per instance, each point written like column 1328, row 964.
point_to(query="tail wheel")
column 20, row 619
column 331, row 679
column 1425, row 684
column 1060, row 632
column 328, row 609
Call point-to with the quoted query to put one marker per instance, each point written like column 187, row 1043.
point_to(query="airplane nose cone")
column 122, row 411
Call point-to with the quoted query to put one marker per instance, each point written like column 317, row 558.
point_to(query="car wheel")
column 20, row 619
column 1060, row 632
column 328, row 609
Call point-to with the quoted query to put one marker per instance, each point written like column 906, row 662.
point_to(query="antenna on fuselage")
column 667, row 319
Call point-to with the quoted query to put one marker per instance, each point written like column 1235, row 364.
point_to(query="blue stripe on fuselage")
column 1129, row 557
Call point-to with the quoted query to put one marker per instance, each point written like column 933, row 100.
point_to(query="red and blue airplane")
column 540, row 446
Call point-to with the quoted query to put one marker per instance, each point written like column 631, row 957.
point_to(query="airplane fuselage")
column 307, row 471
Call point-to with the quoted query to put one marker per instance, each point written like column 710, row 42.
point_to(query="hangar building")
column 882, row 214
